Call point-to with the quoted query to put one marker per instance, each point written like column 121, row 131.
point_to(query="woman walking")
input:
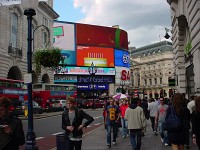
column 196, row 123
column 177, row 137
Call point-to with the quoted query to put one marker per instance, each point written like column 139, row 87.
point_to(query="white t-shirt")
column 152, row 107
column 191, row 106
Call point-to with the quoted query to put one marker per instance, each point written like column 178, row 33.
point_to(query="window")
column 44, row 38
column 14, row 29
column 150, row 82
column 145, row 81
column 155, row 81
column 160, row 80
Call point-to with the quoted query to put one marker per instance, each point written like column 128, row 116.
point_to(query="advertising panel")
column 69, row 57
column 96, row 79
column 64, row 38
column 83, row 71
column 90, row 86
column 100, row 56
column 64, row 78
column 122, row 74
column 101, row 36
column 122, row 58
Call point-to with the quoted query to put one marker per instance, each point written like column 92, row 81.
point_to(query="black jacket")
column 14, row 140
column 78, row 119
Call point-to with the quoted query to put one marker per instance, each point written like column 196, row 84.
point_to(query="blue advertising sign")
column 69, row 57
column 96, row 79
column 15, row 92
column 90, row 86
column 64, row 78
column 54, row 93
column 122, row 58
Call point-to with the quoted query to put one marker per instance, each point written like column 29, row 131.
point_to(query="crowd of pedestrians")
column 134, row 112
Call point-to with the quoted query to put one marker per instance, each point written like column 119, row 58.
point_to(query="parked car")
column 37, row 109
column 16, row 107
column 58, row 105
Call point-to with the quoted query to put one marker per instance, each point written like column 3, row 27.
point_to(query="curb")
column 84, row 135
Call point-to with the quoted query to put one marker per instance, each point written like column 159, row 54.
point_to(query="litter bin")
column 60, row 142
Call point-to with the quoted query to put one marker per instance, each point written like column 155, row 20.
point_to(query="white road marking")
column 39, row 138
column 58, row 133
column 97, row 124
column 97, row 117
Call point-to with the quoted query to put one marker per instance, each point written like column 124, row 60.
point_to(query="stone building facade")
column 13, row 40
column 186, row 44
column 151, row 69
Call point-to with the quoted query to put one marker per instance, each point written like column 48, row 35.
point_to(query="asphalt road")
column 46, row 128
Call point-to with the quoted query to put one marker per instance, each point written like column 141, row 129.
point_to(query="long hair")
column 197, row 103
column 178, row 102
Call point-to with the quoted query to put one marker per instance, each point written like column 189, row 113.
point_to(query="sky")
column 144, row 20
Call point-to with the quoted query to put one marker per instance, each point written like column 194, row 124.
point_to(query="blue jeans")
column 135, row 138
column 162, row 132
column 113, row 126
column 124, row 127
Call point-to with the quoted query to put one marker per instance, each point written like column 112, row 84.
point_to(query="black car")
column 16, row 107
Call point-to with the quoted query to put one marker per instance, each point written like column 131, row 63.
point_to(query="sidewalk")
column 96, row 140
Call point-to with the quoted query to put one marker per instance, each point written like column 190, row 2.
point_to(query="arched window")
column 45, row 39
column 14, row 29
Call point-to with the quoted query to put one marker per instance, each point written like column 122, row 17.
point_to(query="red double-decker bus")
column 13, row 89
column 43, row 92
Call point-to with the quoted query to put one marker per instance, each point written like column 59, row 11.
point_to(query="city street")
column 48, row 125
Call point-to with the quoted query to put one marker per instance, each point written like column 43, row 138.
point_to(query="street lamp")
column 122, row 83
column 167, row 36
column 29, row 7
column 92, row 71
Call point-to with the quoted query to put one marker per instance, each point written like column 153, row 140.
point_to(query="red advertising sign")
column 100, row 56
column 125, row 75
column 101, row 36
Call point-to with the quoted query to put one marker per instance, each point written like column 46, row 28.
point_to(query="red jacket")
column 123, row 109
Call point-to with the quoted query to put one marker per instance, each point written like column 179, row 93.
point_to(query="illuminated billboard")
column 122, row 58
column 101, row 36
column 64, row 35
column 100, row 56
column 83, row 71
column 69, row 57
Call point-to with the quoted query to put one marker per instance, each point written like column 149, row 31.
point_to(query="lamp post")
column 167, row 36
column 29, row 11
column 92, row 71
column 122, row 83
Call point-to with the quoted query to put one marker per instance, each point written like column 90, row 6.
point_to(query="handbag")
column 172, row 122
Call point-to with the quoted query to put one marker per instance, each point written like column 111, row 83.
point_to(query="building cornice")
column 45, row 7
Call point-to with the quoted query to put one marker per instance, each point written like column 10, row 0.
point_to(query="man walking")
column 160, row 119
column 152, row 108
column 136, row 122
column 112, row 118
column 72, row 123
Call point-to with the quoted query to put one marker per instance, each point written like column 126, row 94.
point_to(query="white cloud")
column 144, row 20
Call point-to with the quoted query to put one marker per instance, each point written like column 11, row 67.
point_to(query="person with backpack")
column 11, row 129
column 72, row 123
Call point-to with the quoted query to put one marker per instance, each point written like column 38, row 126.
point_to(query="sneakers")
column 166, row 144
column 108, row 144
column 114, row 143
column 154, row 132
column 162, row 140
column 123, row 136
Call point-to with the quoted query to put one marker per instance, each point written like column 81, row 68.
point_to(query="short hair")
column 70, row 100
column 134, row 100
column 4, row 101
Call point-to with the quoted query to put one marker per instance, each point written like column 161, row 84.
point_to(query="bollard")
column 61, row 142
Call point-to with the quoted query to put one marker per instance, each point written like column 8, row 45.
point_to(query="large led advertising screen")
column 64, row 38
column 100, row 56
column 122, row 58
column 83, row 70
column 101, row 36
